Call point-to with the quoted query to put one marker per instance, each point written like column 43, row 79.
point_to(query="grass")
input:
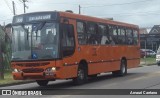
column 148, row 61
column 8, row 79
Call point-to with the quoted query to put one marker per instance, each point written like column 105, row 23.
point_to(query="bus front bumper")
column 34, row 76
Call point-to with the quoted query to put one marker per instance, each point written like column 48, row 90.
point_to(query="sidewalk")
column 146, row 64
column 16, row 83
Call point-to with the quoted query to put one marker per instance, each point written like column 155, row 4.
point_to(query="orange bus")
column 60, row 45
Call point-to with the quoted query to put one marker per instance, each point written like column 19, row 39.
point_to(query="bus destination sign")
column 40, row 17
column 32, row 17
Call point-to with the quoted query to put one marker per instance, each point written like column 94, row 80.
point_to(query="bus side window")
column 119, row 40
column 135, row 37
column 81, row 30
column 129, row 37
column 121, row 36
column 103, row 30
column 111, row 35
column 91, row 33
column 68, row 43
column 114, row 36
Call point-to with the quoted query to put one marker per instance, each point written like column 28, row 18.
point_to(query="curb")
column 142, row 65
column 16, row 83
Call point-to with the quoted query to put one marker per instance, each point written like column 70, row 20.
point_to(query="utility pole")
column 14, row 13
column 79, row 9
column 24, row 5
column 4, row 24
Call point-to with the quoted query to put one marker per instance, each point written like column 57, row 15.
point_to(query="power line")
column 135, row 13
column 92, row 5
column 119, row 4
column 8, row 6
column 64, row 3
column 5, row 19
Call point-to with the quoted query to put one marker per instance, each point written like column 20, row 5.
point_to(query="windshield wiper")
column 26, row 30
column 39, row 27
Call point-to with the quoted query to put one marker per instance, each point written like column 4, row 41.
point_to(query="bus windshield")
column 35, row 41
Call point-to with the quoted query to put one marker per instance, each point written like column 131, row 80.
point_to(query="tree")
column 2, row 48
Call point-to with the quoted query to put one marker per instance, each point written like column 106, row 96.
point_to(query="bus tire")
column 123, row 69
column 81, row 75
column 42, row 82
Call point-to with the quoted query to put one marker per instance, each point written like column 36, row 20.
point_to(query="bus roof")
column 95, row 19
column 53, row 15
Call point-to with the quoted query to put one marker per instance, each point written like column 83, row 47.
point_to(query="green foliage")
column 8, row 78
column 148, row 60
column 5, row 49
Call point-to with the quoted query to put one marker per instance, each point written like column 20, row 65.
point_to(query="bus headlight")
column 16, row 70
column 51, row 69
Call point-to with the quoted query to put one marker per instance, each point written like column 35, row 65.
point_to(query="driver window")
column 67, row 38
column 68, row 44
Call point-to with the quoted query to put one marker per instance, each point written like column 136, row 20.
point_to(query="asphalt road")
column 147, row 77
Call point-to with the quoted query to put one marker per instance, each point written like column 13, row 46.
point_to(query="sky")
column 144, row 13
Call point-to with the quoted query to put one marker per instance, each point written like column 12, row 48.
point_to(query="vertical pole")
column 14, row 13
column 145, row 53
column 4, row 24
column 24, row 6
column 79, row 9
column 156, row 46
column 152, row 45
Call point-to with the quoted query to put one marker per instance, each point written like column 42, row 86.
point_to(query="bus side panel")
column 100, row 59
column 134, row 57
column 67, row 72
column 95, row 68
column 133, row 63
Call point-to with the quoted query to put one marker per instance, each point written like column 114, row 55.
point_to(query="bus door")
column 68, row 48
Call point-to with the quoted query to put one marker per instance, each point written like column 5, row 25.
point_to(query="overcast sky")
column 144, row 13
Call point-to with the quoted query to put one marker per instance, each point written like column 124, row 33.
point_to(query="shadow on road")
column 107, row 78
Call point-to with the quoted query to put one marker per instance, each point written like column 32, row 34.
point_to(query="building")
column 155, row 29
column 143, row 31
column 152, row 39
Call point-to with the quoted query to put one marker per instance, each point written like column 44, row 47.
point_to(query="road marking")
column 139, row 78
column 149, row 75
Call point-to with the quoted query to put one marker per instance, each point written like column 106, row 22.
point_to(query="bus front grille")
column 33, row 70
column 32, row 64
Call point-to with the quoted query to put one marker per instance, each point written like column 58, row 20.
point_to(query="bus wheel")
column 42, row 82
column 81, row 75
column 123, row 69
